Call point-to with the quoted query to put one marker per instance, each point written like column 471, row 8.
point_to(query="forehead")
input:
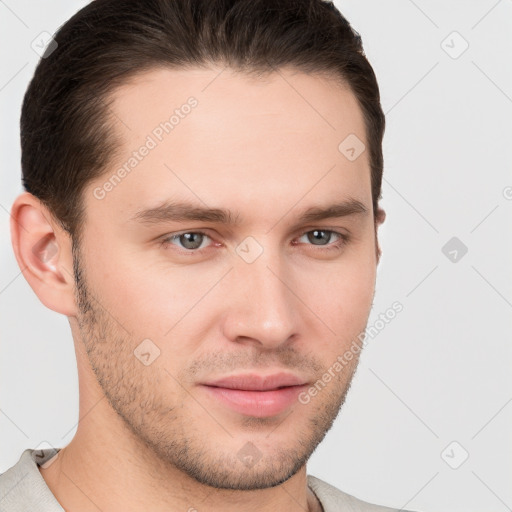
column 224, row 138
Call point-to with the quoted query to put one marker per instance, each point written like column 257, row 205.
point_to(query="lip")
column 256, row 395
column 257, row 382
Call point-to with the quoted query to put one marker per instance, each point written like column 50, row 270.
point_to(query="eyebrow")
column 182, row 211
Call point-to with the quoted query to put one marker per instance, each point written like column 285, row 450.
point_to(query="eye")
column 194, row 241
column 190, row 240
column 323, row 236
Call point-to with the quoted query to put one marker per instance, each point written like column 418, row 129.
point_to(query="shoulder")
column 23, row 488
column 334, row 500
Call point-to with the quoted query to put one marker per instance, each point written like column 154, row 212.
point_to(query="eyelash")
column 337, row 246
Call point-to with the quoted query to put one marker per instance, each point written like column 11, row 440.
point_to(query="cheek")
column 344, row 289
column 357, row 289
column 342, row 299
column 152, row 301
column 344, row 307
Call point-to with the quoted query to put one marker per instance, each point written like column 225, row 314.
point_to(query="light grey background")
column 440, row 371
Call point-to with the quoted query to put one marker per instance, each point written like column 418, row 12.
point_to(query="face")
column 209, row 334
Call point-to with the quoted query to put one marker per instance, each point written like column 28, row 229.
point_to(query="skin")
column 150, row 437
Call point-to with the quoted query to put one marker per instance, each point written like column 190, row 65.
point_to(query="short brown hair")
column 67, row 135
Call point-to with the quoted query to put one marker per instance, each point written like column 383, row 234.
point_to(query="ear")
column 379, row 219
column 43, row 252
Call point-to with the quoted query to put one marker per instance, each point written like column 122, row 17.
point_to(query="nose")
column 261, row 307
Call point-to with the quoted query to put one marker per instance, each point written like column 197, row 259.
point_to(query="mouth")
column 259, row 404
column 256, row 395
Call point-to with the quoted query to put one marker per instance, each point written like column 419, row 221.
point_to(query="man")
column 202, row 183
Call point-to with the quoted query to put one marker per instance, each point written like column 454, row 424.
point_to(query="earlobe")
column 380, row 217
column 43, row 252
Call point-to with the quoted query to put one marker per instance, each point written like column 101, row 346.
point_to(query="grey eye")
column 190, row 240
column 319, row 235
